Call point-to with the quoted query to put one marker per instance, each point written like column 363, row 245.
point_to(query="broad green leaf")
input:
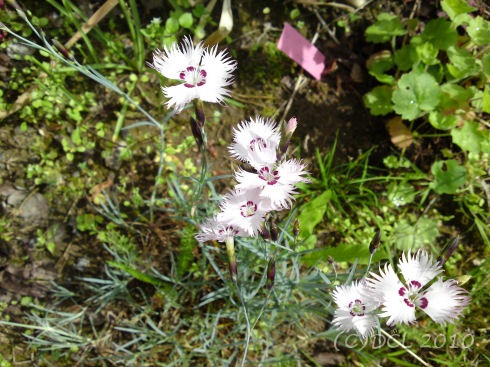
column 386, row 27
column 479, row 31
column 407, row 236
column 453, row 97
column 378, row 64
column 344, row 253
column 401, row 193
column 417, row 92
column 486, row 99
column 442, row 121
column 457, row 10
column 462, row 63
column 437, row 71
column 476, row 100
column 449, row 176
column 186, row 20
column 427, row 53
column 485, row 61
column 378, row 100
column 440, row 34
column 312, row 213
column 405, row 57
column 471, row 138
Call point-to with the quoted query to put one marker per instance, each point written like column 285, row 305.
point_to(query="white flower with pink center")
column 443, row 301
column 244, row 210
column 215, row 230
column 256, row 142
column 203, row 73
column 355, row 309
column 276, row 183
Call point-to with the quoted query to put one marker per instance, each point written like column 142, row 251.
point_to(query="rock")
column 33, row 208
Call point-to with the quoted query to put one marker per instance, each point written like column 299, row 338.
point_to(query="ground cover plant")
column 176, row 191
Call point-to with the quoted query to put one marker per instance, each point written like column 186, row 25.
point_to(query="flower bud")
column 296, row 228
column 273, row 231
column 197, row 132
column 230, row 251
column 265, row 234
column 271, row 272
column 448, row 252
column 373, row 246
column 291, row 126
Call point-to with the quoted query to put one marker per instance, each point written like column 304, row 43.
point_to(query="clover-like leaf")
column 442, row 121
column 408, row 236
column 462, row 63
column 449, row 176
column 405, row 57
column 453, row 98
column 440, row 34
column 401, row 193
column 386, row 27
column 486, row 99
column 427, row 53
column 457, row 10
column 485, row 62
column 471, row 138
column 378, row 64
column 479, row 30
column 378, row 100
column 417, row 91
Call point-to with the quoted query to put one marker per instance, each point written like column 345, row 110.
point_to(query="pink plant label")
column 298, row 48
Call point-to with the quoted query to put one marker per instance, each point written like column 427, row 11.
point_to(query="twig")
column 92, row 21
column 404, row 347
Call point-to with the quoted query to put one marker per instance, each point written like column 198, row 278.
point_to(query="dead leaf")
column 97, row 193
column 401, row 136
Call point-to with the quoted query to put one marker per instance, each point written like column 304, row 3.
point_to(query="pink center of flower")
column 248, row 209
column 229, row 231
column 257, row 143
column 411, row 295
column 270, row 177
column 356, row 308
column 193, row 77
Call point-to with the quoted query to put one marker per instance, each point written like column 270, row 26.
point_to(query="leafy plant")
column 438, row 76
column 429, row 76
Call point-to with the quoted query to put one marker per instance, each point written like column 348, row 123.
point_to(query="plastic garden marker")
column 298, row 48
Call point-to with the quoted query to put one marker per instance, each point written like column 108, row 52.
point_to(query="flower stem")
column 230, row 251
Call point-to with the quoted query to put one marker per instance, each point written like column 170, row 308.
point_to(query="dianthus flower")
column 215, row 230
column 256, row 142
column 443, row 301
column 244, row 210
column 355, row 309
column 203, row 73
column 276, row 181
